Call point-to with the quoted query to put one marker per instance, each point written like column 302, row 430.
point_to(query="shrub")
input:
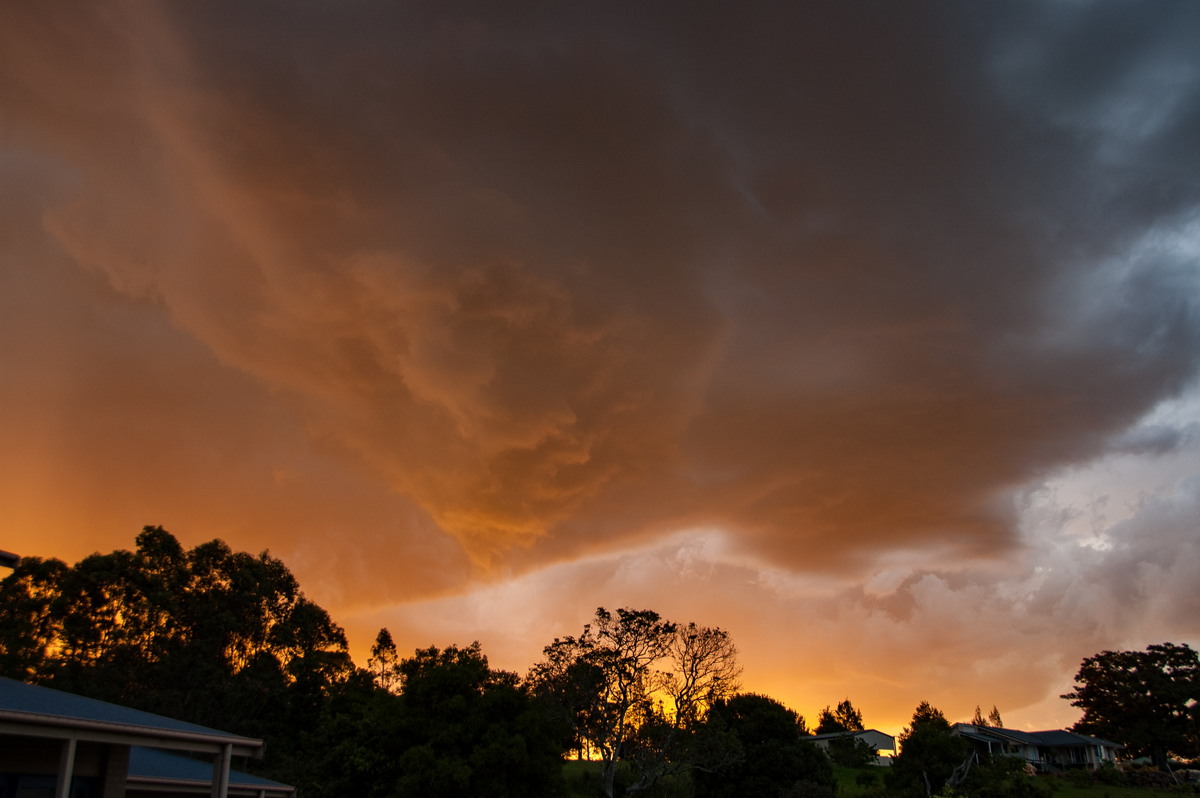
column 807, row 789
column 866, row 778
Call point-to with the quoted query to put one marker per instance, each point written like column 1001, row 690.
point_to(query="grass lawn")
column 1063, row 789
column 583, row 781
column 583, row 778
column 848, row 785
column 1054, row 787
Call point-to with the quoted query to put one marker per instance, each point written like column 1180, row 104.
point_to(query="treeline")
column 228, row 640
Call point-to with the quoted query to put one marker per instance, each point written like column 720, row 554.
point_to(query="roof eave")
column 57, row 726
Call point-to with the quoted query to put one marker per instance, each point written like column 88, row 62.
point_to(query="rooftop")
column 34, row 705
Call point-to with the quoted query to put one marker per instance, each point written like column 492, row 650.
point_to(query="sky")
column 868, row 332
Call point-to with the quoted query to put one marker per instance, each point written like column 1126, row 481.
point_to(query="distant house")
column 1050, row 751
column 877, row 740
column 63, row 745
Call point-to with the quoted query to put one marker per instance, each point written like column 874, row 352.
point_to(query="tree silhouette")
column 634, row 688
column 384, row 662
column 211, row 636
column 845, row 718
column 772, row 755
column 929, row 755
column 1149, row 700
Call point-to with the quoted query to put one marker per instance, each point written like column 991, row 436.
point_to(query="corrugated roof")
column 1064, row 737
column 1051, row 737
column 154, row 765
column 33, row 699
column 835, row 735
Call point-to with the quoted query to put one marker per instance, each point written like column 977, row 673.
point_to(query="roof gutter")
column 17, row 722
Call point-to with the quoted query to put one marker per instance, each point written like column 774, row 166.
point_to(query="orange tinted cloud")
column 437, row 302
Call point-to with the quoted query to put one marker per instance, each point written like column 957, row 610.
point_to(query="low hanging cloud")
column 1009, row 634
column 458, row 290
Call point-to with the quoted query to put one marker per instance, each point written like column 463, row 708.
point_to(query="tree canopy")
column 635, row 688
column 212, row 636
column 1147, row 700
column 227, row 639
column 993, row 718
column 771, row 754
column 452, row 726
column 844, row 718
column 929, row 754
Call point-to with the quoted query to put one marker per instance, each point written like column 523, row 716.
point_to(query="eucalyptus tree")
column 635, row 688
column 208, row 635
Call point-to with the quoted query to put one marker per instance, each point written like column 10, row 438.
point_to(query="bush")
column 1079, row 777
column 1108, row 774
column 866, row 778
column 850, row 752
column 808, row 789
column 1003, row 777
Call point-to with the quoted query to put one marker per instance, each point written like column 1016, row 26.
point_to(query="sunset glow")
column 868, row 332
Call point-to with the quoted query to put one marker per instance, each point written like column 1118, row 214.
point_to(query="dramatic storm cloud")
column 874, row 322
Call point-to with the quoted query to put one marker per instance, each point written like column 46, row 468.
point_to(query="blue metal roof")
column 150, row 763
column 17, row 696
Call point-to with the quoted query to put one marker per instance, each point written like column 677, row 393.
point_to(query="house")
column 54, row 743
column 876, row 740
column 1049, row 751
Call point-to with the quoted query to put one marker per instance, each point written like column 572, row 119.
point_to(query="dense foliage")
column 634, row 689
column 212, row 636
column 226, row 639
column 845, row 718
column 770, row 752
column 456, row 728
column 1148, row 700
column 930, row 755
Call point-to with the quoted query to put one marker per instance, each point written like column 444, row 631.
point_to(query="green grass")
column 1064, row 789
column 583, row 781
column 583, row 778
column 847, row 780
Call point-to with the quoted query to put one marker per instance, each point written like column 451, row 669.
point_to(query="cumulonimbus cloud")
column 839, row 282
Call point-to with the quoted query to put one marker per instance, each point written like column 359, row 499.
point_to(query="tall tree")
column 1148, row 700
column 977, row 719
column 30, row 625
column 455, row 728
column 768, row 739
column 608, row 673
column 210, row 635
column 930, row 755
column 994, row 718
column 845, row 718
column 469, row 730
column 384, row 662
column 704, row 668
column 634, row 687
